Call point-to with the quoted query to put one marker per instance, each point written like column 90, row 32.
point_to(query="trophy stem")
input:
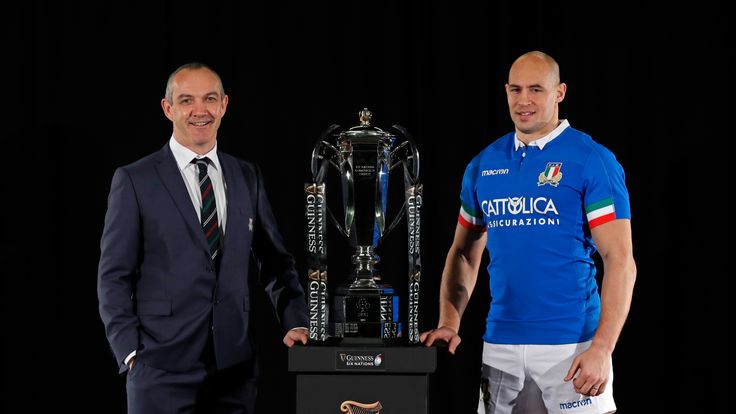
column 364, row 259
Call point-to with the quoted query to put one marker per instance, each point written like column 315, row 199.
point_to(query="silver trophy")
column 365, row 309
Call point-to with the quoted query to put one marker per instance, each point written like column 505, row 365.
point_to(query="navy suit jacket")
column 158, row 288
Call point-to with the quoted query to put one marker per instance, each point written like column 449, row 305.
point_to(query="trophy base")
column 364, row 316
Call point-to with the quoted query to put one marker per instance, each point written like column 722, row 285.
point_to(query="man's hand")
column 296, row 335
column 592, row 367
column 442, row 336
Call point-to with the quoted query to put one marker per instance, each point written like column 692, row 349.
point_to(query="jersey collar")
column 541, row 142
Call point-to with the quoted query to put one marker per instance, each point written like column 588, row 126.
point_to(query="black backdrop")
column 653, row 84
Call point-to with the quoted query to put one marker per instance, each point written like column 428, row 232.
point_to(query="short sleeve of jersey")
column 605, row 195
column 471, row 215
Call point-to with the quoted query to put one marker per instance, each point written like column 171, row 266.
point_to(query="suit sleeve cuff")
column 129, row 357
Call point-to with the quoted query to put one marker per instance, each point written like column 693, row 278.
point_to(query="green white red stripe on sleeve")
column 471, row 219
column 600, row 212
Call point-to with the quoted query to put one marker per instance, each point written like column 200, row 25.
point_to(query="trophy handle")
column 348, row 188
column 320, row 158
column 325, row 154
column 381, row 187
column 405, row 154
column 409, row 148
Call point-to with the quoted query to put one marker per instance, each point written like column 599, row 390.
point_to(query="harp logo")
column 354, row 407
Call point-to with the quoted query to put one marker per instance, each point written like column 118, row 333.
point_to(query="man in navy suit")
column 175, row 279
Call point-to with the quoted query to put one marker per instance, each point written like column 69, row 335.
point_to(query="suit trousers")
column 203, row 389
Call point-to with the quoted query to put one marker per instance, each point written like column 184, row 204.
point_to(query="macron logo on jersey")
column 498, row 171
column 575, row 404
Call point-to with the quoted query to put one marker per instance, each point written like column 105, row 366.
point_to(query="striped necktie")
column 208, row 212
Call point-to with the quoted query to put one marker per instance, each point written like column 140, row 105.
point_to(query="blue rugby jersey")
column 538, row 206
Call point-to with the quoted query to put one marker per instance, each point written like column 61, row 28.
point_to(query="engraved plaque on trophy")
column 364, row 309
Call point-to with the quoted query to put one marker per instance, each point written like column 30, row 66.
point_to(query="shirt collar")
column 541, row 142
column 184, row 155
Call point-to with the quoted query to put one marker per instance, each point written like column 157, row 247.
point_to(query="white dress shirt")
column 190, row 174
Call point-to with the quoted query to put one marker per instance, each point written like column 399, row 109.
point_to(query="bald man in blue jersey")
column 543, row 200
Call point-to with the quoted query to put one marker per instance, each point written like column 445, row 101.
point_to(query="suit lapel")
column 174, row 183
column 239, row 210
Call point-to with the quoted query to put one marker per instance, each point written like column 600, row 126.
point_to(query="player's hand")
column 589, row 371
column 296, row 335
column 441, row 336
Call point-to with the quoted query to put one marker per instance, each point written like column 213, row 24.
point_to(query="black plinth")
column 400, row 378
